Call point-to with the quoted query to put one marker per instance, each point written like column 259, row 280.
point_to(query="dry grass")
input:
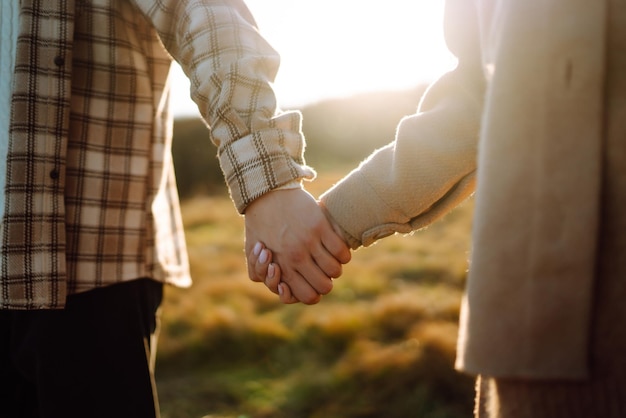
column 382, row 344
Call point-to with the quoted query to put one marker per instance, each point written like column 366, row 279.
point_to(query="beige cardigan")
column 525, row 106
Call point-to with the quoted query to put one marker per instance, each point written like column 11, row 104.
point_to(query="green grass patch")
column 381, row 344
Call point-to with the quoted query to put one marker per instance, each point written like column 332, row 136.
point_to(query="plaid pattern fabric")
column 91, row 195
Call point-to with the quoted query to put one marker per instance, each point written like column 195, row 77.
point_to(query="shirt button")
column 59, row 61
column 54, row 174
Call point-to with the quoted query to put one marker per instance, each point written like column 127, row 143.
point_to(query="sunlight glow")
column 333, row 48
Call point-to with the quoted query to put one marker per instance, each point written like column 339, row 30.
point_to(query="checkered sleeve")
column 231, row 68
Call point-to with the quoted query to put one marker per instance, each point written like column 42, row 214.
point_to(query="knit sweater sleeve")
column 430, row 166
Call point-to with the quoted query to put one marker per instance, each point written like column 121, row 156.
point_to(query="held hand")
column 261, row 259
column 302, row 240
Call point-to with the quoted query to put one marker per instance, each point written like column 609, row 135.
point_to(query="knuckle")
column 312, row 299
column 326, row 287
column 335, row 271
column 297, row 257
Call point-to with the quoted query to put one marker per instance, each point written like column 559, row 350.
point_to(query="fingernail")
column 270, row 271
column 280, row 289
column 263, row 257
column 257, row 249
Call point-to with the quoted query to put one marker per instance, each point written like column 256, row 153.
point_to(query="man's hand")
column 302, row 242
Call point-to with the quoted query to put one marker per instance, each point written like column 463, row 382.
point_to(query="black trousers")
column 93, row 359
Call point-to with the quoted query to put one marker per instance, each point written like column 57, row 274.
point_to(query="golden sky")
column 333, row 48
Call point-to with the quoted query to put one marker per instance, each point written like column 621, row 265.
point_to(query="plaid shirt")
column 90, row 193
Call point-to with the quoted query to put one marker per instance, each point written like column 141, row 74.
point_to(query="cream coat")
column 525, row 106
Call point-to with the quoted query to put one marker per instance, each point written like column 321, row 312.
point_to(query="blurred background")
column 382, row 344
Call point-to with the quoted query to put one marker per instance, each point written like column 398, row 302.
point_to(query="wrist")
column 336, row 227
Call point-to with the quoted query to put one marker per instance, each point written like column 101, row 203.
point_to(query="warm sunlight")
column 335, row 48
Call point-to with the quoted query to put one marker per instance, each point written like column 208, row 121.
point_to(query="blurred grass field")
column 382, row 344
